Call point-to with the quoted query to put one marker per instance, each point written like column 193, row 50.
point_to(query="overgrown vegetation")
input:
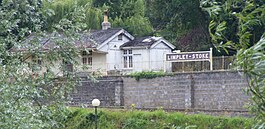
column 238, row 25
column 30, row 99
column 135, row 119
column 147, row 74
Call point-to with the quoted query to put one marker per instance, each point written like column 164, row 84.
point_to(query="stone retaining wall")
column 219, row 90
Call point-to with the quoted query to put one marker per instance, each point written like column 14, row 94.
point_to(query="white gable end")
column 114, row 38
column 160, row 45
column 114, row 54
column 163, row 42
column 115, row 43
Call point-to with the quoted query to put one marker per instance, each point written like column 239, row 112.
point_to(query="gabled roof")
column 145, row 42
column 91, row 39
column 48, row 41
column 140, row 42
column 97, row 39
column 100, row 36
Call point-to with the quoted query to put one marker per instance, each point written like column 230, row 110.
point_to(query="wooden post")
column 223, row 62
column 183, row 69
column 211, row 59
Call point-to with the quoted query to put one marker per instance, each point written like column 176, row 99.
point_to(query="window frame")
column 37, row 63
column 120, row 37
column 87, row 58
column 128, row 59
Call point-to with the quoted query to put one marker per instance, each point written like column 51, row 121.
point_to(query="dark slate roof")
column 100, row 36
column 48, row 42
column 88, row 39
column 147, row 41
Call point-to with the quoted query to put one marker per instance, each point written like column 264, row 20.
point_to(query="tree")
column 37, row 101
column 138, row 25
column 62, row 9
column 131, row 16
column 238, row 25
column 128, row 14
column 180, row 21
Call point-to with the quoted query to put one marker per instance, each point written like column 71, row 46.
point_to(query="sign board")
column 190, row 56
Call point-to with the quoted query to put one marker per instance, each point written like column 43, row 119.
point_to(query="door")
column 137, row 62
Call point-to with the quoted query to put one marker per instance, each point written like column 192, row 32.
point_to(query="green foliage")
column 147, row 74
column 180, row 21
column 252, row 61
column 239, row 25
column 131, row 16
column 63, row 9
column 113, row 119
column 138, row 25
column 126, row 14
column 29, row 99
column 235, row 24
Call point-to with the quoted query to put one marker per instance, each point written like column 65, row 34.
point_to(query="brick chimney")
column 105, row 24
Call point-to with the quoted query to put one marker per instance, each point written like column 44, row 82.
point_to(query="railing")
column 219, row 63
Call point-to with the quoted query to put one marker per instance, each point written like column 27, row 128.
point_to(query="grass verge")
column 81, row 118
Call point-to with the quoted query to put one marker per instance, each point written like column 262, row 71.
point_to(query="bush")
column 134, row 119
column 147, row 74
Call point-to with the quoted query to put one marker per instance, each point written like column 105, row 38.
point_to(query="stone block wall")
column 166, row 92
column 109, row 90
column 219, row 90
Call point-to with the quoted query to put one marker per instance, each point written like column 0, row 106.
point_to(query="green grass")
column 135, row 119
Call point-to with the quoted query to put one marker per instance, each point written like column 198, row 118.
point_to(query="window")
column 37, row 62
column 67, row 66
column 87, row 58
column 127, row 59
column 120, row 37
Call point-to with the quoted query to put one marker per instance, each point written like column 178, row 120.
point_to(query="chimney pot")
column 105, row 24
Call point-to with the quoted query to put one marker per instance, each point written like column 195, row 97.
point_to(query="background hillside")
column 182, row 22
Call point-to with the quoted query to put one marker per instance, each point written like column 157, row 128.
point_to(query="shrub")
column 147, row 74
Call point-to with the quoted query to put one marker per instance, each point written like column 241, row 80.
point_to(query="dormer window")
column 120, row 37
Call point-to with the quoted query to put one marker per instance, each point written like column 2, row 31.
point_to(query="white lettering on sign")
column 188, row 56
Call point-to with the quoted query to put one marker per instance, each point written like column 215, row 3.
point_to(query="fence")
column 219, row 63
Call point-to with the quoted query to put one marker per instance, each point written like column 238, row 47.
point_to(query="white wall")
column 158, row 57
column 54, row 67
column 98, row 62
column 152, row 59
column 144, row 59
column 141, row 59
column 114, row 54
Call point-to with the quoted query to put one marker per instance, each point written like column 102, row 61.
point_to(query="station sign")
column 196, row 56
column 190, row 56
